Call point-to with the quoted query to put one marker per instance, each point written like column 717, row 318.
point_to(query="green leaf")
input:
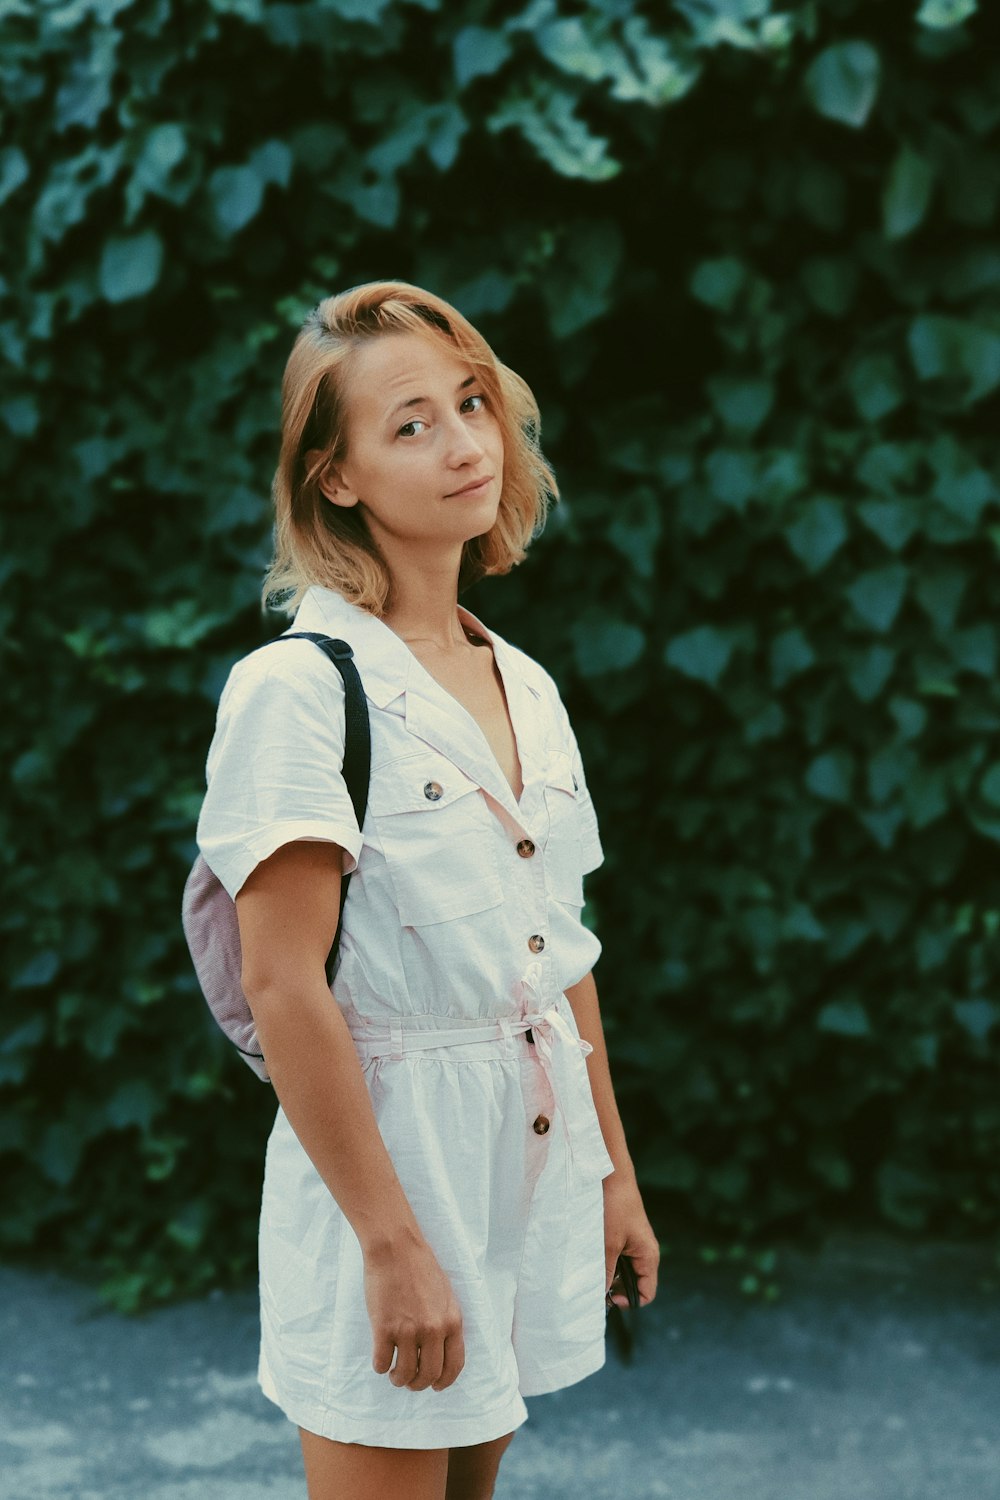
column 870, row 670
column 702, row 653
column 718, row 282
column 961, row 484
column 842, row 82
column 14, row 169
column 844, row 1018
column 25, row 1036
column 635, row 530
column 878, row 594
column 590, row 266
column 478, row 51
column 945, row 348
column 977, row 1017
column 882, row 823
column 830, row 775
column 654, row 70
column 548, row 121
column 818, row 534
column 831, row 281
column 568, row 44
column 446, row 126
column 910, row 717
column 907, row 193
column 892, row 521
column 39, row 970
column 989, row 787
column 875, row 385
column 790, row 654
column 272, row 162
column 941, row 15
column 925, row 796
column 888, row 768
column 237, row 194
column 59, row 1150
column 742, row 401
column 606, row 645
column 85, row 92
column 732, row 475
column 130, row 266
column 134, row 1102
column 975, row 649
column 939, row 592
column 800, row 922
column 725, row 22
column 163, row 149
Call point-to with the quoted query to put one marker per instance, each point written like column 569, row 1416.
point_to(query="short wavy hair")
column 317, row 542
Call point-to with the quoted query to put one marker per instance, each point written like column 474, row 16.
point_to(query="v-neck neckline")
column 518, row 802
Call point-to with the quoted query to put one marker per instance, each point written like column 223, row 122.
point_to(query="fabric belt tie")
column 560, row 1051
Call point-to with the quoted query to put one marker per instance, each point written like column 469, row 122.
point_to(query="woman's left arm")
column 627, row 1230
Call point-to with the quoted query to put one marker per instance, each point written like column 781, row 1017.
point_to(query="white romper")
column 462, row 928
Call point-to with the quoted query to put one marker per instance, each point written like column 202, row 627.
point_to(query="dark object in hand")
column 619, row 1321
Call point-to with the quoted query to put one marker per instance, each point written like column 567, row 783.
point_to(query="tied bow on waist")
column 561, row 1053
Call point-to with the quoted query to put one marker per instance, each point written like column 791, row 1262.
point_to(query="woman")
column 447, row 1185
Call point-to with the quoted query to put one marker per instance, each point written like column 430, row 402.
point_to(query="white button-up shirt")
column 444, row 917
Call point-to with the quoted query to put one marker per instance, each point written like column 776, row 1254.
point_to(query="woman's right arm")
column 287, row 910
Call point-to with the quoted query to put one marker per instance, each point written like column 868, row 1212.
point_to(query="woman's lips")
column 472, row 489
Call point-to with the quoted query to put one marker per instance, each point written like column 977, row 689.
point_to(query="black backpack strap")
column 357, row 742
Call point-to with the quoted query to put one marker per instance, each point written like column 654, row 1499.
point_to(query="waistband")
column 548, row 1032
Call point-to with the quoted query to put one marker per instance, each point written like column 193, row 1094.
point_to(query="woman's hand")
column 627, row 1231
column 415, row 1315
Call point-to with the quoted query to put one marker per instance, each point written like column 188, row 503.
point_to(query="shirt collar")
column 384, row 660
column 388, row 668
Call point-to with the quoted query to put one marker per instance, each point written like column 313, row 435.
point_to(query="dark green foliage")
column 747, row 256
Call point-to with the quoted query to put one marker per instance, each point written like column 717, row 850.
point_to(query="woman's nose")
column 464, row 446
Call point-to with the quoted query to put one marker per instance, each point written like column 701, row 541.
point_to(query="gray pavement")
column 876, row 1374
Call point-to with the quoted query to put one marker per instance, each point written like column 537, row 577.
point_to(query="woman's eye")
column 415, row 420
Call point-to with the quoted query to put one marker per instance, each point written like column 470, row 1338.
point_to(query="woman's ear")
column 330, row 480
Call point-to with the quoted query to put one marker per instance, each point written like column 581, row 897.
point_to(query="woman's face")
column 419, row 429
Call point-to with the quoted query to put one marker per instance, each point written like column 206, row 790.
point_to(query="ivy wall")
column 748, row 258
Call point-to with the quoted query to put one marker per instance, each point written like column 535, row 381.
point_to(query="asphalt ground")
column 874, row 1375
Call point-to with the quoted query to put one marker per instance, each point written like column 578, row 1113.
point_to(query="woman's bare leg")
column 472, row 1471
column 353, row 1471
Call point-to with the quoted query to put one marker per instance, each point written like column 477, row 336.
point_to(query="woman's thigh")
column 472, row 1471
column 336, row 1470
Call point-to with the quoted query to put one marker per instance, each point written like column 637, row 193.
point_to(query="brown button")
column 525, row 848
column 432, row 790
column 536, row 942
column 541, row 1125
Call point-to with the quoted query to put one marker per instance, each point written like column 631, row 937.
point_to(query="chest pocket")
column 438, row 838
column 563, row 846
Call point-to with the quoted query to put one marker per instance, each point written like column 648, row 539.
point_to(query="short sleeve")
column 592, row 852
column 274, row 770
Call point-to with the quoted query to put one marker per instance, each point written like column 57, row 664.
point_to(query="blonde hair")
column 318, row 542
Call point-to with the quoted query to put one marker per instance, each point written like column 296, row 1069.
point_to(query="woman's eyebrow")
column 416, row 400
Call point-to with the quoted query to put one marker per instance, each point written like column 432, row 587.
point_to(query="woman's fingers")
column 454, row 1360
column 407, row 1360
column 385, row 1347
column 431, row 1360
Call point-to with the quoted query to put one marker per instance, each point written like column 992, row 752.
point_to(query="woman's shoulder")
column 285, row 659
column 285, row 674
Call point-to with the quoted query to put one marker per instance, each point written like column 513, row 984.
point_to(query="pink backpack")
column 208, row 912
